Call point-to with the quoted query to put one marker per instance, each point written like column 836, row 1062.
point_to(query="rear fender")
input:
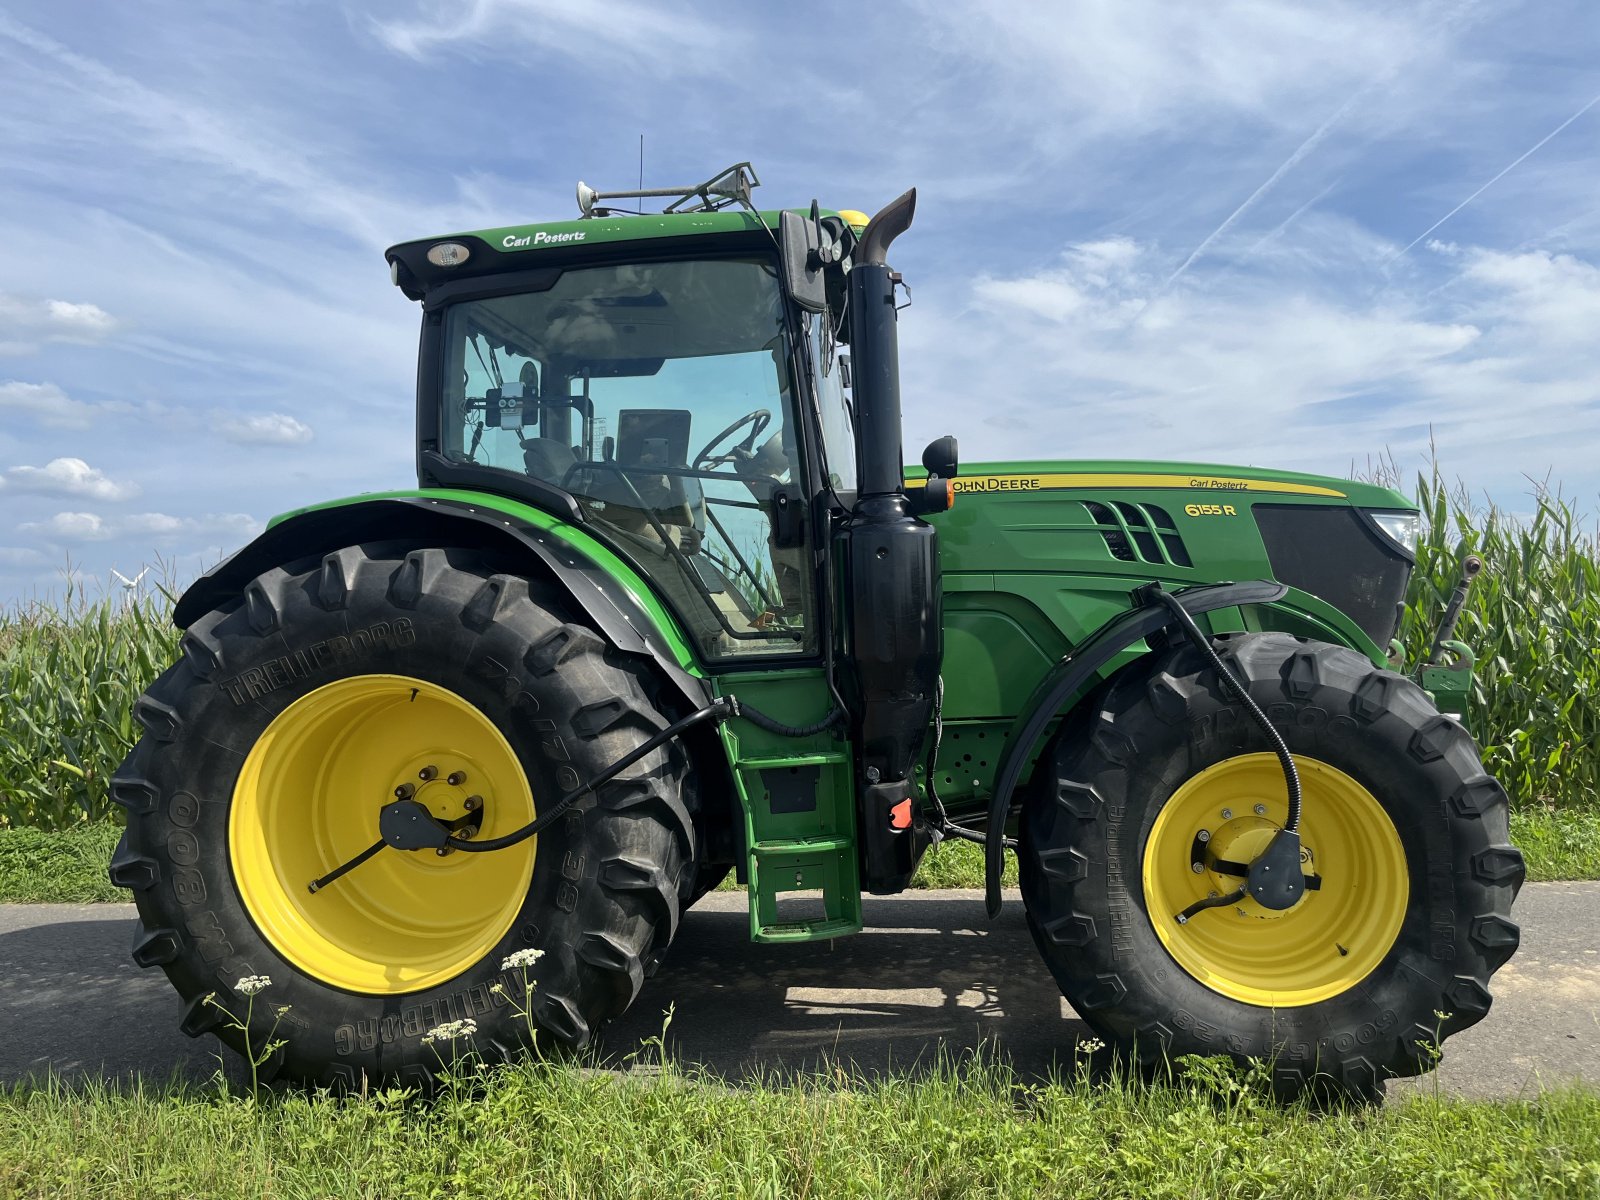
column 616, row 600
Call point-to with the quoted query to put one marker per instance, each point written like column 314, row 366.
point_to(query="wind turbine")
column 130, row 587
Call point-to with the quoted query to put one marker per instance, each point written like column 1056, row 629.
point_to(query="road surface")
column 931, row 972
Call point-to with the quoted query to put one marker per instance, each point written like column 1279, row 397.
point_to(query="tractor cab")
column 672, row 392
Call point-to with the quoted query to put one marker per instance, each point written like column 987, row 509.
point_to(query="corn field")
column 1533, row 620
column 69, row 673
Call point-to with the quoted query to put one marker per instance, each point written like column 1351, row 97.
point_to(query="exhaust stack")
column 895, row 628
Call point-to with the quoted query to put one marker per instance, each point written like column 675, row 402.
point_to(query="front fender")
column 616, row 599
column 1072, row 674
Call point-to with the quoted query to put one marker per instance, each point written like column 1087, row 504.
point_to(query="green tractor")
column 665, row 603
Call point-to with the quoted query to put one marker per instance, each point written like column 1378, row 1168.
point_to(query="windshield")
column 659, row 394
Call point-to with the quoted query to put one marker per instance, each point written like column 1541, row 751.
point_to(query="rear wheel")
column 295, row 715
column 1156, row 799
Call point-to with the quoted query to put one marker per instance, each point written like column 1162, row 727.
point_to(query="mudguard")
column 601, row 589
column 1075, row 671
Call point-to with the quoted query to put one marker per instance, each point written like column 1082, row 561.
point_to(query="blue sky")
column 1253, row 231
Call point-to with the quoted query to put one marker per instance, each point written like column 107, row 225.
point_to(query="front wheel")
column 1157, row 798
column 303, row 708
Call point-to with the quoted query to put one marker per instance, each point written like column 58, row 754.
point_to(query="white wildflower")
column 497, row 989
column 251, row 984
column 522, row 958
column 1090, row 1046
column 451, row 1030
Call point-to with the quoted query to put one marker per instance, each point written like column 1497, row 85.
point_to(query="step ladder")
column 800, row 826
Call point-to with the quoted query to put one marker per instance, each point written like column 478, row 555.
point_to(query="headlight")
column 1403, row 528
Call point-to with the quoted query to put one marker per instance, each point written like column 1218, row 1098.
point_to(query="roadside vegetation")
column 956, row 1130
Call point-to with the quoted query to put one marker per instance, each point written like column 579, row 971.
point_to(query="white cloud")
column 149, row 527
column 20, row 556
column 269, row 429
column 25, row 325
column 658, row 40
column 46, row 404
column 67, row 477
column 1282, row 366
column 70, row 526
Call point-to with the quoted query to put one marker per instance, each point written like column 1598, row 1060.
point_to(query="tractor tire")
column 1163, row 775
column 293, row 716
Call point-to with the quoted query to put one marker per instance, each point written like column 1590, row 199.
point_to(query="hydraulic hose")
column 721, row 709
column 1202, row 643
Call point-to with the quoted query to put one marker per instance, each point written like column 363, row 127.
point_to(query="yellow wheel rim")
column 1328, row 942
column 308, row 799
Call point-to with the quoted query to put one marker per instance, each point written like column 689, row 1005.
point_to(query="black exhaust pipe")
column 895, row 627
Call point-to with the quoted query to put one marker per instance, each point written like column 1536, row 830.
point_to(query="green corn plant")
column 1533, row 618
column 69, row 674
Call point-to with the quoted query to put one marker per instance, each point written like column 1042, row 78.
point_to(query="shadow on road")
column 930, row 975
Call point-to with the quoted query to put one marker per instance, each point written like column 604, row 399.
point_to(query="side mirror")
column 800, row 240
column 942, row 458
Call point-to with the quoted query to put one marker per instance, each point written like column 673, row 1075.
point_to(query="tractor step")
column 804, row 890
column 800, row 825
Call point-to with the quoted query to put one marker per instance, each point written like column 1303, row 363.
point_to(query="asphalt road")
column 931, row 972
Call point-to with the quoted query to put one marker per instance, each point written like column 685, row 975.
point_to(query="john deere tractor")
column 665, row 603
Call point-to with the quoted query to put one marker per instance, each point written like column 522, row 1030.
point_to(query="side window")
column 838, row 417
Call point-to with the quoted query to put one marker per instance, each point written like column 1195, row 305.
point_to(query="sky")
column 1254, row 232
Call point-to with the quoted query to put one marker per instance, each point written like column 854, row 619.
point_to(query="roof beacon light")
column 448, row 254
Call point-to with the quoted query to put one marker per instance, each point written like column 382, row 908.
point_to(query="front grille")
column 1331, row 552
column 1139, row 533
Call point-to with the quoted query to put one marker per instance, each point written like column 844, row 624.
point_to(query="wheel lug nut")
column 1204, row 835
column 427, row 773
column 1198, row 867
column 472, row 803
column 1261, row 810
column 403, row 792
column 1227, row 814
column 456, row 778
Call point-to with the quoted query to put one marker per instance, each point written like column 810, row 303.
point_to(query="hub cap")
column 308, row 798
column 1326, row 943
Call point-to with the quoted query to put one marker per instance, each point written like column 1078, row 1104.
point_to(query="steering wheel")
column 757, row 420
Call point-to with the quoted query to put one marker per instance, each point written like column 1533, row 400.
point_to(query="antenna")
column 722, row 190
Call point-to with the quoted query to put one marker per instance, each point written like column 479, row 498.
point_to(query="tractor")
column 666, row 603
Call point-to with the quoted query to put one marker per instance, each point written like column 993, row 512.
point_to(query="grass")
column 964, row 1130
column 38, row 867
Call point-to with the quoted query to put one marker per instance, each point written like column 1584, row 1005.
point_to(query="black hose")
column 1291, row 775
column 719, row 710
column 941, row 818
column 772, row 725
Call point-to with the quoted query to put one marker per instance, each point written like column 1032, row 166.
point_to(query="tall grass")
column 1533, row 619
column 69, row 674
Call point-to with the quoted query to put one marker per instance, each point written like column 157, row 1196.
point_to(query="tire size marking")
column 413, row 1022
column 279, row 672
column 1121, row 911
